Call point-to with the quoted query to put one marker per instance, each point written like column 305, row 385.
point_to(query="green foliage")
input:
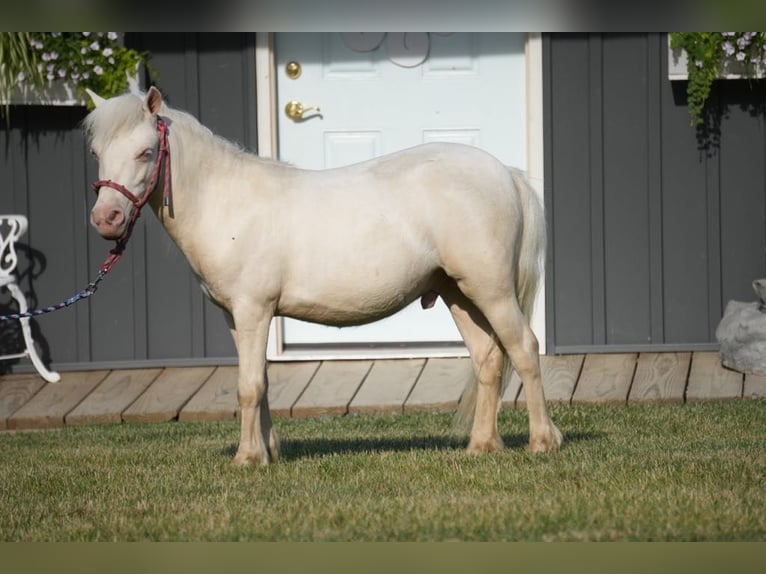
column 16, row 58
column 707, row 52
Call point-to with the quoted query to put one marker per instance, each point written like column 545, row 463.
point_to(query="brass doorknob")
column 296, row 110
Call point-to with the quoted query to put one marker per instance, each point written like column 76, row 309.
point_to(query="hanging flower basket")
column 699, row 58
column 62, row 64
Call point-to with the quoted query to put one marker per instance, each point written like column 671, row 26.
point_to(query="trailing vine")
column 708, row 53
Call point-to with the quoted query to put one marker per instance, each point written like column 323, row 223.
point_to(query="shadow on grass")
column 296, row 449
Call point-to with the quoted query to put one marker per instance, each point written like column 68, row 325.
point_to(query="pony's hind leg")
column 488, row 359
column 258, row 443
column 516, row 336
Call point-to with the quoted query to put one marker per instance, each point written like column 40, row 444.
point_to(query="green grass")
column 663, row 472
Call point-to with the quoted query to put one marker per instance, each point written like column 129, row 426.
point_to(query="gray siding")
column 149, row 310
column 653, row 226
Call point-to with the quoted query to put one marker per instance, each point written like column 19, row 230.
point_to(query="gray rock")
column 741, row 333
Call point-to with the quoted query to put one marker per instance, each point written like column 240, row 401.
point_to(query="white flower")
column 98, row 70
column 86, row 34
column 107, row 52
column 95, row 47
column 112, row 35
column 21, row 77
column 62, row 73
column 111, row 60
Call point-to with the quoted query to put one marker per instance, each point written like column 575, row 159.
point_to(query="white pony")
column 340, row 247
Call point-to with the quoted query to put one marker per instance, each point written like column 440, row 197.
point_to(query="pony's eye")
column 145, row 155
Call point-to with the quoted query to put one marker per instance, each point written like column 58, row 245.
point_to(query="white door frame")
column 266, row 88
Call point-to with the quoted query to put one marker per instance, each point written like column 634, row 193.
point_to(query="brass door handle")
column 296, row 110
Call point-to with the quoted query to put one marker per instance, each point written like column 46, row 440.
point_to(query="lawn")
column 659, row 472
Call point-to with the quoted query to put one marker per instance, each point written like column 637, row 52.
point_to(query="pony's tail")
column 529, row 267
column 532, row 250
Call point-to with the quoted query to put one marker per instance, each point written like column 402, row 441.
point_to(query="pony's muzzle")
column 108, row 220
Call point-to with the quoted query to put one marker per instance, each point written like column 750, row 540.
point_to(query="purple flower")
column 95, row 47
column 740, row 56
column 742, row 42
column 98, row 70
column 107, row 52
column 85, row 75
column 728, row 48
column 62, row 73
column 50, row 76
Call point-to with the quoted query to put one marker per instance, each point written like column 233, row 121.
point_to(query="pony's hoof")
column 546, row 441
column 484, row 446
column 242, row 459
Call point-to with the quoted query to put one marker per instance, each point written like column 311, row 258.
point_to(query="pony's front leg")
column 257, row 441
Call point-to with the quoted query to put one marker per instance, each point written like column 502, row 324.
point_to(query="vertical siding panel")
column 596, row 170
column 82, row 270
column 743, row 234
column 684, row 224
column 569, row 206
column 713, row 187
column 626, row 214
column 52, row 222
column 655, row 72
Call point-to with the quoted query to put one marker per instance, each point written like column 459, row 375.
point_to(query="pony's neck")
column 197, row 159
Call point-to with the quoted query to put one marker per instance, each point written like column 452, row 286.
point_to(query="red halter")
column 163, row 163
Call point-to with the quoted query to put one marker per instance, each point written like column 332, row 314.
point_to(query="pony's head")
column 123, row 137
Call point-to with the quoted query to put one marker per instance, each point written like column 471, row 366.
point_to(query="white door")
column 378, row 93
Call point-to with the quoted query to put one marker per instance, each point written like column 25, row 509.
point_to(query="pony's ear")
column 133, row 86
column 152, row 102
column 95, row 98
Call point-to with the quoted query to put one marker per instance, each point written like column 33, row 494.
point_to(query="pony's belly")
column 354, row 309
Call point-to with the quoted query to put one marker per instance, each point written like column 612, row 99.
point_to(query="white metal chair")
column 12, row 227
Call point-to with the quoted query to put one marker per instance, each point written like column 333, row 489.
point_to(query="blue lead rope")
column 84, row 294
